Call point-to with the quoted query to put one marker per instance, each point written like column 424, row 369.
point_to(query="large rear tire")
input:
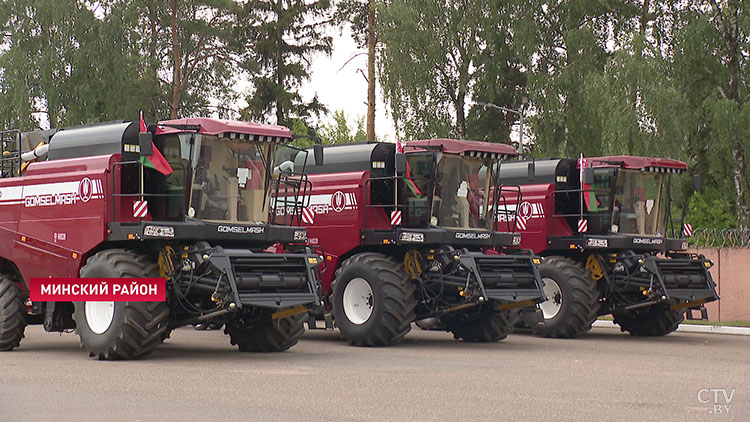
column 485, row 329
column 573, row 299
column 649, row 322
column 373, row 300
column 266, row 335
column 12, row 314
column 120, row 330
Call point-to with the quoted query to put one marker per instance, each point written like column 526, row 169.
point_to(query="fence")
column 730, row 273
column 721, row 238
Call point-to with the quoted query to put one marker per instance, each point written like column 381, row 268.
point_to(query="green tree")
column 719, row 81
column 427, row 66
column 76, row 62
column 41, row 60
column 678, row 88
column 287, row 34
column 192, row 53
column 340, row 131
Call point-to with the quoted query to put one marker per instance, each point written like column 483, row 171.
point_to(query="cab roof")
column 639, row 163
column 469, row 148
column 226, row 128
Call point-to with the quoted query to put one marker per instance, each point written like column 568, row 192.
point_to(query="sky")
column 346, row 89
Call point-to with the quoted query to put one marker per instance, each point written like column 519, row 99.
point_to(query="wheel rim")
column 99, row 316
column 551, row 307
column 358, row 301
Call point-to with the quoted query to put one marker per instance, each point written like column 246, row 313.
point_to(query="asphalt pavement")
column 198, row 376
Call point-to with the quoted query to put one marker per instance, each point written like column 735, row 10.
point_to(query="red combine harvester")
column 88, row 206
column 602, row 225
column 407, row 237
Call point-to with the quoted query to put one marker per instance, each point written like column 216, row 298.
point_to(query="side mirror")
column 400, row 163
column 697, row 182
column 532, row 170
column 146, row 143
column 588, row 175
column 318, row 153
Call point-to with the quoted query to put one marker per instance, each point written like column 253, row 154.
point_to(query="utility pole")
column 520, row 113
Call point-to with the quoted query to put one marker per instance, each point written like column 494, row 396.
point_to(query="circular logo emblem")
column 85, row 189
column 338, row 201
column 525, row 210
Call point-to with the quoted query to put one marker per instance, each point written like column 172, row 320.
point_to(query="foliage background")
column 661, row 78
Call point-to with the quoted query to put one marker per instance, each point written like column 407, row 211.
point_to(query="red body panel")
column 338, row 202
column 54, row 214
column 537, row 208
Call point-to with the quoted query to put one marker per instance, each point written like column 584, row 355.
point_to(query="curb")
column 690, row 328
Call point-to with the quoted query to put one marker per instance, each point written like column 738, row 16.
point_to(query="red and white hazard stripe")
column 687, row 230
column 521, row 223
column 308, row 216
column 583, row 226
column 395, row 218
column 140, row 209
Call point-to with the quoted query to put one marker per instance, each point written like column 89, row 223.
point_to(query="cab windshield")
column 639, row 203
column 459, row 192
column 626, row 201
column 229, row 180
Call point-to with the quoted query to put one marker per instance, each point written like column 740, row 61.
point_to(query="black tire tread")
column 267, row 336
column 649, row 323
column 145, row 323
column 399, row 302
column 487, row 329
column 12, row 314
column 584, row 299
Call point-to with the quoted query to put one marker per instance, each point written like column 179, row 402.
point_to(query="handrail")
column 394, row 206
column 301, row 187
column 140, row 193
column 10, row 143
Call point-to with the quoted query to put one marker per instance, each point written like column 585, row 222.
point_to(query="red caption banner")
column 97, row 289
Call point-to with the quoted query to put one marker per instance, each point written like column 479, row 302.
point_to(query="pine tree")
column 287, row 34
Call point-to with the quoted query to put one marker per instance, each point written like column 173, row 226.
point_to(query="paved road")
column 604, row 375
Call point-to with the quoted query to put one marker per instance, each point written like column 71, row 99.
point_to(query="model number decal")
column 597, row 243
column 412, row 237
column 158, row 231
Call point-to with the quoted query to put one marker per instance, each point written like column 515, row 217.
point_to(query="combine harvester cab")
column 409, row 237
column 187, row 200
column 601, row 224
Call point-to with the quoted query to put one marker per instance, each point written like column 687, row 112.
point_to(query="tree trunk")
column 460, row 113
column 739, row 169
column 153, row 13
column 174, row 106
column 371, row 71
column 280, row 118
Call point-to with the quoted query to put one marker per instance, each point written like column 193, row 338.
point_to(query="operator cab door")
column 415, row 190
column 597, row 200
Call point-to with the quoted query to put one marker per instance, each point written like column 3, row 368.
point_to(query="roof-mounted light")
column 254, row 138
column 657, row 169
column 484, row 154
